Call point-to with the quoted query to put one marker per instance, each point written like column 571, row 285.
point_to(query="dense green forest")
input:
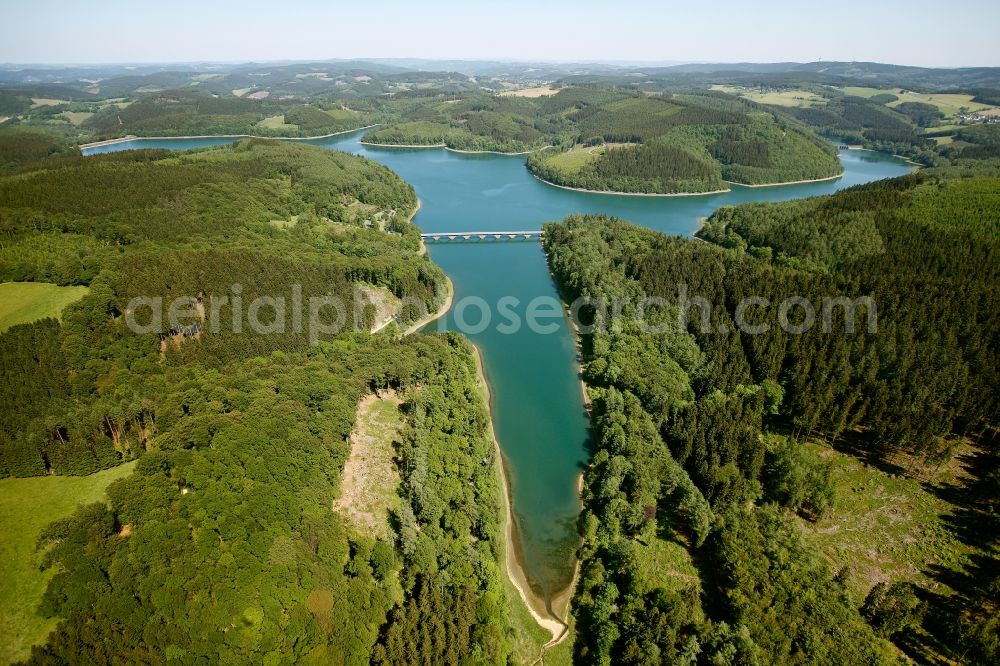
column 259, row 218
column 222, row 546
column 20, row 148
column 904, row 110
column 700, row 457
column 684, row 143
column 474, row 121
column 607, row 139
column 868, row 122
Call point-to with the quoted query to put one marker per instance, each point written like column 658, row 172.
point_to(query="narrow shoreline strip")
column 899, row 157
column 449, row 148
column 687, row 194
column 495, row 152
column 437, row 314
column 515, row 569
column 789, row 182
column 630, row 194
column 403, row 145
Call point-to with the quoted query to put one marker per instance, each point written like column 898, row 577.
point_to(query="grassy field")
column 884, row 527
column 575, row 159
column 578, row 157
column 794, row 98
column 342, row 114
column 949, row 104
column 47, row 101
column 666, row 563
column 26, row 507
column 76, row 117
column 941, row 128
column 861, row 91
column 275, row 122
column 119, row 102
column 23, row 302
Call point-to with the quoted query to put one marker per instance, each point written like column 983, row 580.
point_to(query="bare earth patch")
column 540, row 91
column 370, row 481
column 385, row 303
column 883, row 527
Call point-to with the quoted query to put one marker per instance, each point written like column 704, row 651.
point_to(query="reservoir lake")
column 538, row 411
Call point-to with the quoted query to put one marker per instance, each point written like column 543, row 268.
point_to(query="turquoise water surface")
column 538, row 410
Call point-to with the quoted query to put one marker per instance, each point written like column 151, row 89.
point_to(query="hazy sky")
column 914, row 32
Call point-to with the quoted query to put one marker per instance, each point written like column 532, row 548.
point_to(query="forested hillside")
column 641, row 144
column 701, row 491
column 473, row 121
column 18, row 148
column 607, row 139
column 256, row 219
column 222, row 546
column 227, row 545
column 910, row 111
column 181, row 113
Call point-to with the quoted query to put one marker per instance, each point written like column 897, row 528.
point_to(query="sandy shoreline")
column 446, row 147
column 515, row 570
column 495, row 152
column 132, row 137
column 702, row 221
column 789, row 182
column 688, row 194
column 900, row 157
column 437, row 314
column 402, row 145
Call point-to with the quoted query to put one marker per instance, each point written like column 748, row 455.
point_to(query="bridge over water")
column 482, row 235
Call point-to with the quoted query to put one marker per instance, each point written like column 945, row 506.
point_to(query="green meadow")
column 26, row 506
column 795, row 97
column 25, row 302
column 950, row 104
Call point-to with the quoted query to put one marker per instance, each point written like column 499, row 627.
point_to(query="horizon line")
column 620, row 62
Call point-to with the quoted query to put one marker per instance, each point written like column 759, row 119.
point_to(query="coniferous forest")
column 680, row 143
column 704, row 429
